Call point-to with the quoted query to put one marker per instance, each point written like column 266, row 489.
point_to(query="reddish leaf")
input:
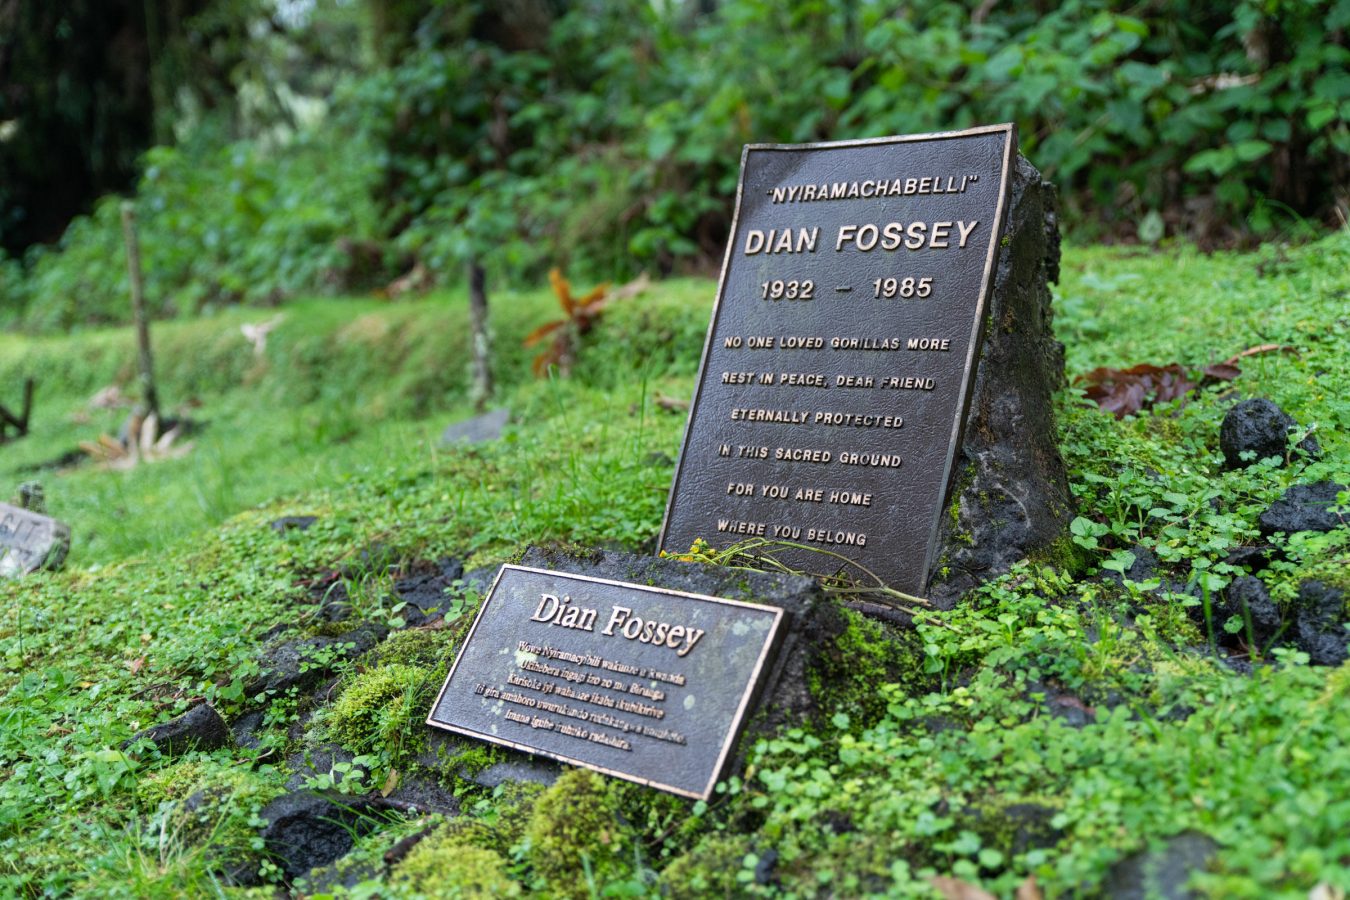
column 563, row 289
column 1072, row 702
column 594, row 296
column 581, row 314
column 541, row 332
column 543, row 361
column 670, row 404
column 1123, row 392
column 1225, row 371
column 136, row 665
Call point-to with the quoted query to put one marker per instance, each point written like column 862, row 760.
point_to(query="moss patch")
column 468, row 872
column 864, row 656
column 382, row 708
column 711, row 869
column 1062, row 554
column 575, row 826
column 423, row 647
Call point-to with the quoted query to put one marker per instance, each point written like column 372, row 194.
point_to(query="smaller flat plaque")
column 642, row 683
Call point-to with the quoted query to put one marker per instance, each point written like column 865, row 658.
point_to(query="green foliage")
column 605, row 138
column 1158, row 481
column 716, row 867
column 575, row 827
column 217, row 225
column 865, row 655
column 1114, row 107
column 461, row 872
column 470, row 856
column 381, row 709
column 1123, row 775
column 345, row 386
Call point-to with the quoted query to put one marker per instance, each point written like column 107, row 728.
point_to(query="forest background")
column 277, row 148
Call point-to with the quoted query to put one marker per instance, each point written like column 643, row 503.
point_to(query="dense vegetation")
column 1056, row 723
column 311, row 180
column 604, row 136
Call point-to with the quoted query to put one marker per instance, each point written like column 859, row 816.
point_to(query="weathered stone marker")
column 643, row 683
column 29, row 541
column 841, row 359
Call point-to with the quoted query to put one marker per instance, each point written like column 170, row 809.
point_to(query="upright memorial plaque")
column 644, row 683
column 841, row 354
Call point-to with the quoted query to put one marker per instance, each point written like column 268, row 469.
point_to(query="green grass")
column 346, row 388
column 174, row 563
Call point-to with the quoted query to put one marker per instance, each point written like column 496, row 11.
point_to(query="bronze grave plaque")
column 841, row 354
column 643, row 683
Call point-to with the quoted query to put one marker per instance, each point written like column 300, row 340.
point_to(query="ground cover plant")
column 1065, row 722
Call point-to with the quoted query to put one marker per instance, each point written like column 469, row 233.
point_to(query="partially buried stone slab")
column 478, row 430
column 643, row 683
column 29, row 541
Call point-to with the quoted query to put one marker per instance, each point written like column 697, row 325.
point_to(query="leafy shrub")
column 243, row 222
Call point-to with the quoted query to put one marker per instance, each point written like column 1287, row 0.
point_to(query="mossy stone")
column 709, row 870
column 440, row 869
column 383, row 708
column 574, row 826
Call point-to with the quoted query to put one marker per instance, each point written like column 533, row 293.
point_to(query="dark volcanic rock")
column 1253, row 559
column 1304, row 507
column 425, row 795
column 1259, row 427
column 320, row 761
column 1248, row 599
column 245, row 729
column 292, row 523
column 304, row 831
column 1014, row 828
column 424, row 590
column 1144, row 568
column 308, row 662
column 519, row 768
column 200, row 728
column 1064, row 705
column 480, row 579
column 814, row 622
column 1008, row 479
column 339, row 873
column 1319, row 623
column 1161, row 873
column 764, row 868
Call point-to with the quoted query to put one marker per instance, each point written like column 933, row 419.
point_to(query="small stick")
column 478, row 313
column 149, row 395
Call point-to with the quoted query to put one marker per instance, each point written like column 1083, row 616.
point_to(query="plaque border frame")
column 1009, row 130
column 733, row 729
